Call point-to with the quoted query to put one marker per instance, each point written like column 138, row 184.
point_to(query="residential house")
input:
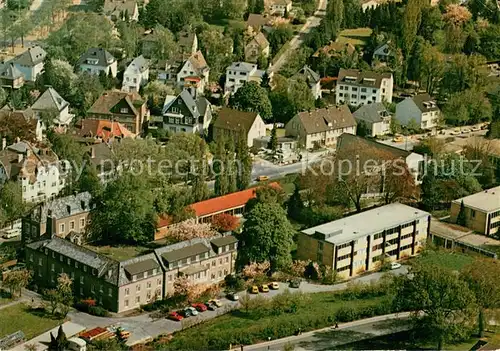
column 202, row 260
column 312, row 79
column 55, row 107
column 10, row 76
column 240, row 73
column 369, row 154
column 37, row 170
column 59, row 217
column 186, row 113
column 192, row 72
column 361, row 242
column 121, row 10
column 234, row 123
column 12, row 118
column 369, row 4
column 103, row 130
column 30, row 63
column 356, row 87
column 102, row 158
column 383, row 52
column 321, row 127
column 97, row 60
column 187, row 42
column 420, row 109
column 481, row 211
column 128, row 109
column 136, row 75
column 256, row 23
column 256, row 47
column 125, row 285
column 335, row 49
column 375, row 117
column 280, row 7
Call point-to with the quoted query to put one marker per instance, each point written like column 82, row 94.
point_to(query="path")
column 298, row 39
column 144, row 328
column 330, row 338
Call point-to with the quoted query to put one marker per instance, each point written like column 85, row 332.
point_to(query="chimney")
column 18, row 139
column 83, row 204
column 20, row 158
column 4, row 143
column 68, row 207
column 92, row 152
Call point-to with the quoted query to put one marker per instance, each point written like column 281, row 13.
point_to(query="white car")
column 395, row 265
column 193, row 311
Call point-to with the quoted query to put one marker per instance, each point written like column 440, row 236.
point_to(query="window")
column 40, row 273
column 145, row 274
column 81, row 280
column 31, row 257
column 158, row 281
column 353, row 96
column 154, row 271
column 227, row 259
column 85, row 268
column 82, row 222
column 134, row 278
column 341, row 94
column 52, row 267
column 354, row 89
column 124, row 110
column 61, row 228
column 220, row 261
column 127, row 291
column 137, row 299
column 148, row 285
column 220, row 274
column 92, row 289
column 81, row 290
column 110, row 292
column 138, row 287
column 213, row 263
column 472, row 213
column 170, row 278
column 126, row 303
column 213, row 276
column 100, row 288
column 68, row 261
column 72, row 225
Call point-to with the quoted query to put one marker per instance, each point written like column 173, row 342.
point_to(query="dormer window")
column 134, row 278
column 145, row 274
column 124, row 110
column 154, row 271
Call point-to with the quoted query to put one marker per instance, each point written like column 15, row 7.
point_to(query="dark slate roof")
column 31, row 57
column 137, row 265
column 425, row 102
column 362, row 78
column 50, row 100
column 235, row 120
column 9, row 71
column 371, row 112
column 185, row 252
column 141, row 266
column 59, row 207
column 104, row 57
column 193, row 105
column 311, row 77
column 186, row 40
column 225, row 240
column 328, row 118
column 137, row 66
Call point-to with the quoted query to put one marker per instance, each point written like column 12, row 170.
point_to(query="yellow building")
column 482, row 211
column 359, row 243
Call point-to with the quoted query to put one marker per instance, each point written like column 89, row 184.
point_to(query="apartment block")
column 124, row 285
column 482, row 211
column 356, row 87
column 359, row 243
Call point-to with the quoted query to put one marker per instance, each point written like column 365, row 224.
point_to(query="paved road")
column 143, row 327
column 329, row 338
column 298, row 39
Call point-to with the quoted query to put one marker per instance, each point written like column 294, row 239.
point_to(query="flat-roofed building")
column 359, row 243
column 482, row 211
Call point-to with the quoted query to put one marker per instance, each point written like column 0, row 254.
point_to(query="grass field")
column 19, row 317
column 119, row 253
column 446, row 259
column 356, row 36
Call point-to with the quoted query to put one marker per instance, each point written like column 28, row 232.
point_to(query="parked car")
column 210, row 306
column 175, row 316
column 274, row 286
column 232, row 296
column 11, row 233
column 200, row 307
column 395, row 265
column 254, row 289
column 216, row 302
column 263, row 178
column 398, row 139
column 264, row 288
column 295, row 283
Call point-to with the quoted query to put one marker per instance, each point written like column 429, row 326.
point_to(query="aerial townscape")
column 249, row 175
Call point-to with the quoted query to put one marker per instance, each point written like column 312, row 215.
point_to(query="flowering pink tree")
column 190, row 229
column 255, row 269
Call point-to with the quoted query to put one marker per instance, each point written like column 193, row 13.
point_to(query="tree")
column 59, row 75
column 156, row 91
column 362, row 129
column 267, row 235
column 190, row 229
column 289, row 97
column 60, row 343
column 295, row 204
column 12, row 206
column 411, row 22
column 467, row 107
column 217, row 50
column 482, row 278
column 432, row 65
column 265, row 82
column 124, row 212
column 442, row 305
column 61, row 298
column 461, row 219
column 224, row 222
column 398, row 182
column 273, row 141
column 244, row 158
column 219, row 166
column 252, row 97
column 164, row 44
column 15, row 281
column 334, row 18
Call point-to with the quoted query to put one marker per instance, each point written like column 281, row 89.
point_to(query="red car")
column 200, row 307
column 175, row 316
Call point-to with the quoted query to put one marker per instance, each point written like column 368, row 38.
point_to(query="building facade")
column 240, row 73
column 375, row 117
column 97, row 60
column 482, row 211
column 136, row 75
column 356, row 87
column 421, row 109
column 233, row 124
column 359, row 243
column 30, row 63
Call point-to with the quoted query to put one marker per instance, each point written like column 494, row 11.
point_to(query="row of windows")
column 138, row 287
column 495, row 225
column 343, row 257
column 62, row 226
column 69, row 262
column 144, row 275
column 405, row 247
column 343, row 246
column 495, row 214
column 343, row 269
column 364, row 90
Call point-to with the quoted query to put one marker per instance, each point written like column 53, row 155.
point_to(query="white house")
column 240, row 73
column 38, row 171
column 52, row 103
column 192, row 72
column 312, row 79
column 280, row 7
column 421, row 109
column 369, row 4
column 136, row 75
column 375, row 117
column 257, row 46
column 185, row 113
column 356, row 87
column 30, row 62
column 321, row 127
column 233, row 124
column 97, row 60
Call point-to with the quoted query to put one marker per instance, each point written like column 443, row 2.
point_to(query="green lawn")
column 280, row 132
column 19, row 317
column 119, row 253
column 356, row 36
column 447, row 259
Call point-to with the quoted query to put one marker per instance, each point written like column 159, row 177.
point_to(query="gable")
column 178, row 106
column 120, row 107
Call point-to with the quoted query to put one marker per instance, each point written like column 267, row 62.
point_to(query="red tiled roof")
column 225, row 202
column 93, row 332
column 164, row 221
column 101, row 128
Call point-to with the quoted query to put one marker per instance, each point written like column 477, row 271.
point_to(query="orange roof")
column 225, row 202
column 164, row 221
column 101, row 128
column 92, row 333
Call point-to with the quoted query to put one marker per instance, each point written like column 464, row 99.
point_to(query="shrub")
column 89, row 306
column 98, row 311
column 346, row 314
column 234, row 282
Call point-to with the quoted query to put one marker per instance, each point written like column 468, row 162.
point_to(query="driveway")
column 143, row 327
column 298, row 39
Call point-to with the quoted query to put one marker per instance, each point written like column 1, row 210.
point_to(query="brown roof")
column 425, row 102
column 101, row 128
column 110, row 99
column 335, row 48
column 328, row 118
column 261, row 40
column 116, row 7
column 198, row 61
column 257, row 21
column 235, row 120
column 186, row 39
column 363, row 78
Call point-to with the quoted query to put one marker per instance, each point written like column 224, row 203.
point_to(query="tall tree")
column 252, row 97
column 219, row 166
column 411, row 21
column 12, row 206
column 461, row 219
column 245, row 162
column 273, row 140
column 334, row 18
column 15, row 281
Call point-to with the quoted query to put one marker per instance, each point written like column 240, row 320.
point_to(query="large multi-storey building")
column 356, row 87
column 240, row 73
column 359, row 243
column 125, row 285
column 481, row 210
